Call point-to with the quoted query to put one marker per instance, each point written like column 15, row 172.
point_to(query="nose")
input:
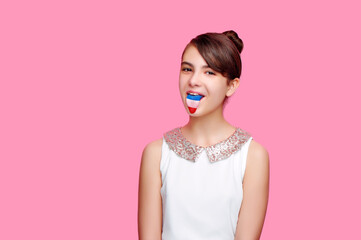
column 195, row 80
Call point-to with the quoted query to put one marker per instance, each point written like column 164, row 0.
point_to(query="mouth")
column 195, row 94
column 193, row 100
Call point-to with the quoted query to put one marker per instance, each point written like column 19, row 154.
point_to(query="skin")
column 205, row 127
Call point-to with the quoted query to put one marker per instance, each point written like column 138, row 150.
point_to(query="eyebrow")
column 190, row 64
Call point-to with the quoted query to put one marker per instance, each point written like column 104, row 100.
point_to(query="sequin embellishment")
column 219, row 151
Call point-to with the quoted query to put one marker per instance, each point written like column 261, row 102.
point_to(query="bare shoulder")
column 153, row 147
column 152, row 152
column 257, row 161
column 257, row 153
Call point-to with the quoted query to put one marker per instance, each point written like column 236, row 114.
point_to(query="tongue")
column 193, row 102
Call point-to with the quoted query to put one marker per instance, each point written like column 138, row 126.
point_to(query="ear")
column 232, row 87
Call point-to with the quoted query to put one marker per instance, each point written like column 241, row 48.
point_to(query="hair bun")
column 235, row 39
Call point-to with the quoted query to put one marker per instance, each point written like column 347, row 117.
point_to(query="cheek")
column 181, row 82
column 219, row 91
column 220, row 97
column 181, row 86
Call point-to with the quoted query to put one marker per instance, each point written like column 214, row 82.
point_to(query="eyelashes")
column 186, row 69
column 189, row 70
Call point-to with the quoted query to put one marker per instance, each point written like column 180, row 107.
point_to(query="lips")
column 191, row 92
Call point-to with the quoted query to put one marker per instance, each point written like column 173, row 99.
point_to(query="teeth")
column 194, row 94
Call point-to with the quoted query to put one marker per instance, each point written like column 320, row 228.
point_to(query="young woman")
column 207, row 180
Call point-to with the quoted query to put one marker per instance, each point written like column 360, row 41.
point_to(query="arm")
column 149, row 198
column 255, row 194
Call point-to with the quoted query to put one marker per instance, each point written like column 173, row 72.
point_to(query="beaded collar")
column 219, row 151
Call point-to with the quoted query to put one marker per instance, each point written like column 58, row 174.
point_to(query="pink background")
column 85, row 85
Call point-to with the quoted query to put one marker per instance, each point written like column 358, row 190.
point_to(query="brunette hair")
column 221, row 51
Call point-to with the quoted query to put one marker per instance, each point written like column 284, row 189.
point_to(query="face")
column 195, row 75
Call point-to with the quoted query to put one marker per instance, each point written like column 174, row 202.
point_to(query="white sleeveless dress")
column 202, row 186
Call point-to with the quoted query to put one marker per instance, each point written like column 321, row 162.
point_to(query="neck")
column 208, row 129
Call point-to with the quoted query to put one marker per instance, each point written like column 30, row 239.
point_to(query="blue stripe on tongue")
column 194, row 97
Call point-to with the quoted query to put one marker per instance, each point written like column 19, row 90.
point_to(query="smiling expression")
column 195, row 75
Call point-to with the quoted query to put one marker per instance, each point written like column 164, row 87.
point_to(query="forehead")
column 192, row 55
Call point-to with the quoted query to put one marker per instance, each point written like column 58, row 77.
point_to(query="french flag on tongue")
column 193, row 102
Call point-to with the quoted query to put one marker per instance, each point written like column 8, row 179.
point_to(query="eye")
column 210, row 73
column 185, row 69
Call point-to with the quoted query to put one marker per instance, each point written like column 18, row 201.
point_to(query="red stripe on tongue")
column 192, row 110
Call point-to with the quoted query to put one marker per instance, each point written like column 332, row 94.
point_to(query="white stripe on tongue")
column 192, row 103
